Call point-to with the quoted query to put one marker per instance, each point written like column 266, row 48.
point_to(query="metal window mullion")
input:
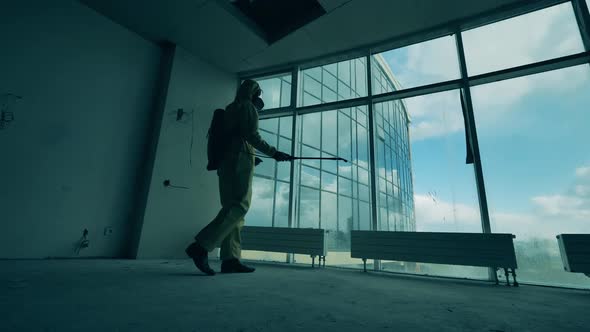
column 356, row 154
column 417, row 91
column 321, row 164
column 293, row 105
column 354, row 102
column 353, row 155
column 530, row 69
column 583, row 19
column 472, row 134
column 337, row 170
column 276, row 172
column 372, row 175
column 276, row 112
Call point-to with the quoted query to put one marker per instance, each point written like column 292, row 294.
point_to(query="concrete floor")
column 118, row 295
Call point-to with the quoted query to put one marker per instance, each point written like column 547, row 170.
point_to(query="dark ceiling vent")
column 278, row 18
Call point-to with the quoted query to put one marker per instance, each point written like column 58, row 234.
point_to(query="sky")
column 533, row 131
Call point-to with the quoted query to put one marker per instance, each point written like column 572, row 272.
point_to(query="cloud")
column 583, row 172
column 572, row 206
column 435, row 115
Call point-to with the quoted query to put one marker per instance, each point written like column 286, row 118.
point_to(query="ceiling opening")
column 277, row 19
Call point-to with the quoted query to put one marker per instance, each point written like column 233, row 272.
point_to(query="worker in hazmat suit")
column 235, row 182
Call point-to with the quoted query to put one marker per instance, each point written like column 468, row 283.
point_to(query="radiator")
column 575, row 252
column 472, row 249
column 307, row 241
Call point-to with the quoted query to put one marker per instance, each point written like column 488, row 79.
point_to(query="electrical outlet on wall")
column 108, row 231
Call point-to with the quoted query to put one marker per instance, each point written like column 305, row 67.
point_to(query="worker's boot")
column 234, row 266
column 200, row 257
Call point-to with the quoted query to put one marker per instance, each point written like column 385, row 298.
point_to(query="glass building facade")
column 329, row 194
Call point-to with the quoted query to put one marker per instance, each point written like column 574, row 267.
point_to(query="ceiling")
column 211, row 30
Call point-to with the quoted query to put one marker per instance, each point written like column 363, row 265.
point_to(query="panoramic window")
column 532, row 132
column 334, row 82
column 424, row 63
column 536, row 162
column 537, row 36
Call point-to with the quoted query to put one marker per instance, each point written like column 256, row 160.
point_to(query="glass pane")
column 310, row 177
column 309, row 208
column 437, row 191
column 286, row 92
column 344, row 186
column 330, row 165
column 537, row 36
column 271, row 125
column 329, row 211
column 337, row 81
column 344, row 139
column 329, row 182
column 424, row 63
column 282, row 205
column 312, row 129
column 260, row 213
column 536, row 163
column 286, row 126
column 276, row 91
column 364, row 216
column 306, row 151
column 329, row 131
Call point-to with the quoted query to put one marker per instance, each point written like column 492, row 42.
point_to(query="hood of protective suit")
column 247, row 90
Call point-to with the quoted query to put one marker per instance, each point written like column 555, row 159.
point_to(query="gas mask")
column 258, row 102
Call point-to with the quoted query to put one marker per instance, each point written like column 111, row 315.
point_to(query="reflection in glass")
column 424, row 63
column 333, row 82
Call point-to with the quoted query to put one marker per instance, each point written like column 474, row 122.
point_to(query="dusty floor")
column 118, row 295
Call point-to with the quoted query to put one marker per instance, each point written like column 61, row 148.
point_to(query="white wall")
column 70, row 159
column 174, row 216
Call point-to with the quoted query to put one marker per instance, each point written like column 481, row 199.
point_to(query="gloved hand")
column 281, row 156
